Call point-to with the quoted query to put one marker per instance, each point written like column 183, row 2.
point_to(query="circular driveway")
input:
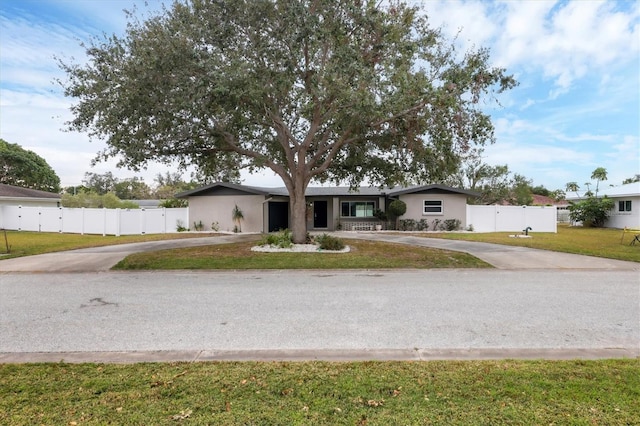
column 500, row 256
column 532, row 306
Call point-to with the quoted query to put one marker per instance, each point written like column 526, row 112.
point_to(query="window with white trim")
column 432, row 207
column 357, row 208
column 624, row 206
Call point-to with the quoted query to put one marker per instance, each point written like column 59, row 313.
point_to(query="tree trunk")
column 298, row 206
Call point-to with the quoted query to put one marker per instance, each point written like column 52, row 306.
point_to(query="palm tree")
column 237, row 216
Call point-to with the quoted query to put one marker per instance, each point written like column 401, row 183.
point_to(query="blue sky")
column 577, row 106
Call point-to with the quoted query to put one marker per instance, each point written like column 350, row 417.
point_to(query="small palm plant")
column 237, row 216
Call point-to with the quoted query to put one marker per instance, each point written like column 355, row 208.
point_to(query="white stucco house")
column 626, row 211
column 16, row 196
column 328, row 208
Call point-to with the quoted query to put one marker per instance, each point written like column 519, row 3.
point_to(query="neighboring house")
column 543, row 200
column 328, row 208
column 626, row 211
column 15, row 196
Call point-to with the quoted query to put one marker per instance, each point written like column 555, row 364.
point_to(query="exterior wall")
column 454, row 206
column 218, row 208
column 30, row 202
column 346, row 223
column 311, row 213
column 621, row 220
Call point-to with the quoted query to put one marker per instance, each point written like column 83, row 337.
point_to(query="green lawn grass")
column 604, row 392
column 363, row 255
column 601, row 242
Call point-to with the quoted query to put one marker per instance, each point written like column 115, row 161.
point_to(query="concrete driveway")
column 500, row 256
column 100, row 259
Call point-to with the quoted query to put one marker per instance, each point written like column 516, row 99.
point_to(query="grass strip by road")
column 321, row 393
column 363, row 255
column 600, row 242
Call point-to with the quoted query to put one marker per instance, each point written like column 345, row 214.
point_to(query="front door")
column 278, row 216
column 319, row 214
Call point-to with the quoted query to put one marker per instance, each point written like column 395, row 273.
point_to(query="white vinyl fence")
column 93, row 221
column 512, row 218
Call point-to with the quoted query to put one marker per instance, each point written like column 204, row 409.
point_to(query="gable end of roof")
column 204, row 190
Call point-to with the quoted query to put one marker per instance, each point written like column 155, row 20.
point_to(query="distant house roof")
column 223, row 188
column 147, row 203
column 542, row 200
column 627, row 190
column 10, row 191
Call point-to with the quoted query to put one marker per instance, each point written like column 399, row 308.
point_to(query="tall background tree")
column 24, row 168
column 591, row 210
column 495, row 184
column 315, row 90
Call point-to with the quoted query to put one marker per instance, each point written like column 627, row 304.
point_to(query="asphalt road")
column 411, row 314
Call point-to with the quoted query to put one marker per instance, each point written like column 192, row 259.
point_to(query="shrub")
column 591, row 212
column 407, row 225
column 328, row 242
column 451, row 224
column 380, row 215
column 172, row 203
column 282, row 239
column 397, row 208
column 180, row 226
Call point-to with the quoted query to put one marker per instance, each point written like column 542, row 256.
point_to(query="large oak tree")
column 24, row 168
column 315, row 90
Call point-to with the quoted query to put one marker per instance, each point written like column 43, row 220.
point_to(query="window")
column 624, row 206
column 432, row 207
column 357, row 208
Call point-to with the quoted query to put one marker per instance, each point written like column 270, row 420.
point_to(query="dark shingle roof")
column 11, row 191
column 329, row 191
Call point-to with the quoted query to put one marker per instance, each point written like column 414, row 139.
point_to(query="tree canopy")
column 495, row 184
column 315, row 90
column 24, row 168
column 590, row 210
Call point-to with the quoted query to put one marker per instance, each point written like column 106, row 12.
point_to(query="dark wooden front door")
column 319, row 214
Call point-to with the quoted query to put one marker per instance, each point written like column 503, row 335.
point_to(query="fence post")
column 142, row 221
column 19, row 218
column 104, row 221
column 82, row 221
column 164, row 216
column 118, row 230
column 60, row 220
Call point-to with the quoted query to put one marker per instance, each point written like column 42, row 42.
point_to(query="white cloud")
column 564, row 40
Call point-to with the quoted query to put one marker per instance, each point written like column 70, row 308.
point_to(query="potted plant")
column 381, row 216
